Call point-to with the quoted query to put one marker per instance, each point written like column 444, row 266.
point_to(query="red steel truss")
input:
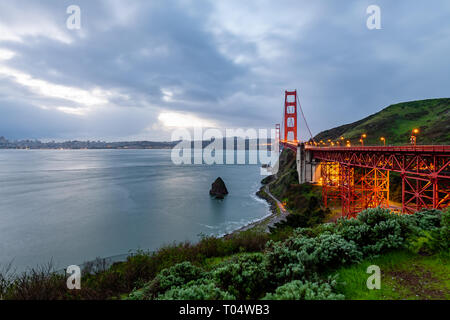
column 348, row 191
column 374, row 186
column 355, row 189
column 330, row 182
column 364, row 175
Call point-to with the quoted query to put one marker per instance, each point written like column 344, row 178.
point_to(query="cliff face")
column 287, row 174
column 303, row 201
column 286, row 161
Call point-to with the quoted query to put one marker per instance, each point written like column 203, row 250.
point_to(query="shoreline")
column 276, row 215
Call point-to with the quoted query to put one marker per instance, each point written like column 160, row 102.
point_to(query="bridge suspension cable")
column 304, row 118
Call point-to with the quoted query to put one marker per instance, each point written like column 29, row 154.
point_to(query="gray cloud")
column 227, row 62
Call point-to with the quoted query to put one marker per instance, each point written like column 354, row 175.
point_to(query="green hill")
column 395, row 123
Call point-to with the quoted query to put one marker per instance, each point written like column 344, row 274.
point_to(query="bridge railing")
column 420, row 148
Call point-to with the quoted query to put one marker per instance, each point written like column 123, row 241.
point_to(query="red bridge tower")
column 290, row 115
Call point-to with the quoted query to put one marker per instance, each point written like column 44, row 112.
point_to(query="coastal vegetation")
column 395, row 122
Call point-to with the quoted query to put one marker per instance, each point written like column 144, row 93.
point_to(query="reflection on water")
column 74, row 205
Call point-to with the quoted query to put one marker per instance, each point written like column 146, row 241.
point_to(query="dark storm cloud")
column 227, row 62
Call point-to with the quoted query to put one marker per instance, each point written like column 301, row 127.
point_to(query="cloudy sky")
column 139, row 69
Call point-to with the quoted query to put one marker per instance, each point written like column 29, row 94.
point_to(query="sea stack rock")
column 218, row 189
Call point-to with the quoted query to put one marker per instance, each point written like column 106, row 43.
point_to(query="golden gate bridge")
column 357, row 177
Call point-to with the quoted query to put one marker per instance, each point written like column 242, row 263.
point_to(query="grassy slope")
column 396, row 122
column 404, row 275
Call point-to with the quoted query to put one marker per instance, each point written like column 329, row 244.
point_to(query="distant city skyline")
column 137, row 70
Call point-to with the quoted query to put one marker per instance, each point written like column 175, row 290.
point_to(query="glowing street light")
column 384, row 141
column 414, row 136
column 363, row 136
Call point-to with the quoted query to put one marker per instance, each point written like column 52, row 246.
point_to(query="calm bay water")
column 71, row 206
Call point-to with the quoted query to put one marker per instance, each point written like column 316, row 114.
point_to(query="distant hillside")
column 395, row 123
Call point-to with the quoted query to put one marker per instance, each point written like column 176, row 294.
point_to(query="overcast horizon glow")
column 136, row 70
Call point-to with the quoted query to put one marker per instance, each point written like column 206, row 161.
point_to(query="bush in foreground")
column 305, row 290
column 204, row 289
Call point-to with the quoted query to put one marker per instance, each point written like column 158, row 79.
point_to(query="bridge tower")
column 290, row 115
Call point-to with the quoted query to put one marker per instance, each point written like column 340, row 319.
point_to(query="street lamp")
column 363, row 136
column 384, row 141
column 414, row 136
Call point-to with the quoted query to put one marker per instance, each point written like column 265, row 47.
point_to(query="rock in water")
column 218, row 189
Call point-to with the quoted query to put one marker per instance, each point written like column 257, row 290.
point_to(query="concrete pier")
column 307, row 167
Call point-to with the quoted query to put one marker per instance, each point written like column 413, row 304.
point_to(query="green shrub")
column 305, row 290
column 324, row 251
column 175, row 276
column 244, row 277
column 375, row 231
column 204, row 289
column 301, row 256
column 424, row 243
column 282, row 263
column 430, row 232
column 425, row 219
column 445, row 230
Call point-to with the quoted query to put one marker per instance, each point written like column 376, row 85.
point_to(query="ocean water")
column 71, row 206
